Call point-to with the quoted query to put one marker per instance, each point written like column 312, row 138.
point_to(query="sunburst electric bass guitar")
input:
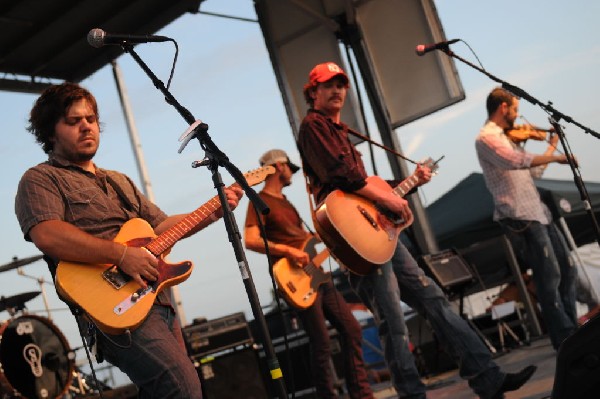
column 359, row 233
column 111, row 298
column 299, row 285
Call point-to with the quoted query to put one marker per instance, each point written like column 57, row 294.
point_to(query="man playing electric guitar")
column 71, row 209
column 286, row 239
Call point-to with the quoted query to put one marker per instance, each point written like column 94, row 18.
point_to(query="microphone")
column 98, row 38
column 423, row 49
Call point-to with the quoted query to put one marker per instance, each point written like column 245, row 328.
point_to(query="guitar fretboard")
column 410, row 182
column 170, row 237
column 406, row 185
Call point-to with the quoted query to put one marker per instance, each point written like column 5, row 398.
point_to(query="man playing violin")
column 509, row 171
column 522, row 133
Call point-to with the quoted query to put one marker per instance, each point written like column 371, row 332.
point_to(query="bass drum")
column 35, row 359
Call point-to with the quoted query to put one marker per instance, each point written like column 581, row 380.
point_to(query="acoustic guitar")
column 360, row 234
column 111, row 298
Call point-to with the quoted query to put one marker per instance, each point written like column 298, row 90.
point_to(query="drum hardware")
column 35, row 359
column 79, row 384
column 15, row 303
column 16, row 262
column 84, row 383
column 41, row 281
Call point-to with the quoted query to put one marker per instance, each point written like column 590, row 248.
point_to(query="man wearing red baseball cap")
column 331, row 162
column 326, row 71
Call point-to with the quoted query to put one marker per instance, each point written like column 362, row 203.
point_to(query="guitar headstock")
column 257, row 176
column 431, row 164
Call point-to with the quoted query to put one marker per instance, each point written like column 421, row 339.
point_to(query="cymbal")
column 16, row 262
column 17, row 301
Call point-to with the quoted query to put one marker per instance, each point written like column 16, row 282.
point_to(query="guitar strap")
column 310, row 196
column 124, row 200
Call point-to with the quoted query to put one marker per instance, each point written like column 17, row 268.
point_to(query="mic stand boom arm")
column 555, row 117
column 214, row 158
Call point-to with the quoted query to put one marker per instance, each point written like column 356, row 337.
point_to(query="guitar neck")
column 406, row 185
column 170, row 237
column 315, row 264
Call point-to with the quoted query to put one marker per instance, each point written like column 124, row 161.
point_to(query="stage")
column 449, row 385
column 241, row 368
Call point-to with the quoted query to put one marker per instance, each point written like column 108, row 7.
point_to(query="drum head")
column 34, row 356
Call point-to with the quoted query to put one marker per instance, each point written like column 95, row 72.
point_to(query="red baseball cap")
column 326, row 71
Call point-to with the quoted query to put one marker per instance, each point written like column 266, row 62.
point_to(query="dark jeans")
column 402, row 278
column 330, row 305
column 542, row 248
column 155, row 358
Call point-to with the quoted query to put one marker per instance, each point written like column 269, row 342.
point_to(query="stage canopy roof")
column 463, row 216
column 42, row 41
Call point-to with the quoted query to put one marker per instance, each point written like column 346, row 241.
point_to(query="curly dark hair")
column 51, row 106
column 498, row 96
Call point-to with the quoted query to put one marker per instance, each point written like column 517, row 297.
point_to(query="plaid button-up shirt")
column 509, row 176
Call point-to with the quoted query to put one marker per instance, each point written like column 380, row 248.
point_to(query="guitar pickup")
column 291, row 286
column 115, row 277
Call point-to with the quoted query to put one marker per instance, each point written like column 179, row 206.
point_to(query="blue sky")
column 224, row 77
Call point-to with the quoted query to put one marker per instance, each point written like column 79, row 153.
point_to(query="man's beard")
column 509, row 123
column 79, row 157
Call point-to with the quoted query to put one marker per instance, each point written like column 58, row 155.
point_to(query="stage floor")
column 449, row 385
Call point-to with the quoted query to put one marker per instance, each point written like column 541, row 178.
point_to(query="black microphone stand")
column 213, row 159
column 555, row 117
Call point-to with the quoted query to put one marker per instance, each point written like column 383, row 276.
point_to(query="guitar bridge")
column 368, row 217
column 115, row 277
column 309, row 294
column 131, row 300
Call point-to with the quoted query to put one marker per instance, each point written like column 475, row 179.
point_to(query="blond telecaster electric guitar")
column 300, row 285
column 111, row 298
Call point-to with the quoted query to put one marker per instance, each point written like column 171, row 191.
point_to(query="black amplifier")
column 447, row 268
column 207, row 337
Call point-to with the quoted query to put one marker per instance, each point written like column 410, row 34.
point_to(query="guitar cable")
column 78, row 314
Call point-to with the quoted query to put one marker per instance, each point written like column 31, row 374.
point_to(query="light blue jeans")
column 155, row 358
column 543, row 249
column 402, row 278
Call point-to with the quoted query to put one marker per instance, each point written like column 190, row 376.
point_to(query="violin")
column 521, row 133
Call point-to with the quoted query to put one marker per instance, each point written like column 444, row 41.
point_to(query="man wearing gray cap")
column 286, row 238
